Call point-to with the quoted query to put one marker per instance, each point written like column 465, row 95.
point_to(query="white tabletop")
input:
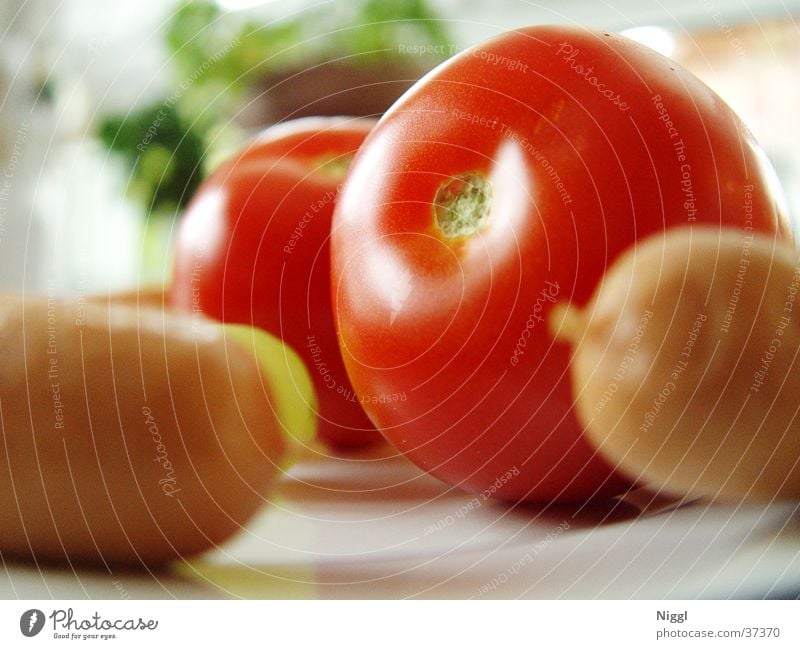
column 371, row 526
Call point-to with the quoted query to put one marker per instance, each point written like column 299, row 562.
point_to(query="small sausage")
column 686, row 371
column 135, row 436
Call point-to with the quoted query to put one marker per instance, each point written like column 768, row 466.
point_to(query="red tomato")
column 505, row 181
column 253, row 248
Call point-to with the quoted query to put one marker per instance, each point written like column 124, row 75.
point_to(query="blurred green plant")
column 219, row 57
column 163, row 151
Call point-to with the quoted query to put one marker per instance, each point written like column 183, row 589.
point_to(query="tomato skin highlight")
column 587, row 142
column 254, row 248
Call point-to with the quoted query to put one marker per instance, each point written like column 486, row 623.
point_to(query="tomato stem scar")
column 462, row 204
column 331, row 165
column 567, row 323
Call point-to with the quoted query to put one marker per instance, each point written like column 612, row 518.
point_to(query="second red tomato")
column 253, row 248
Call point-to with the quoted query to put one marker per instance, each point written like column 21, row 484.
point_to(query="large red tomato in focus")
column 254, row 248
column 505, row 181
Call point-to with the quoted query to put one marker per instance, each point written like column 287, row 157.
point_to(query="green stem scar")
column 462, row 204
column 332, row 165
